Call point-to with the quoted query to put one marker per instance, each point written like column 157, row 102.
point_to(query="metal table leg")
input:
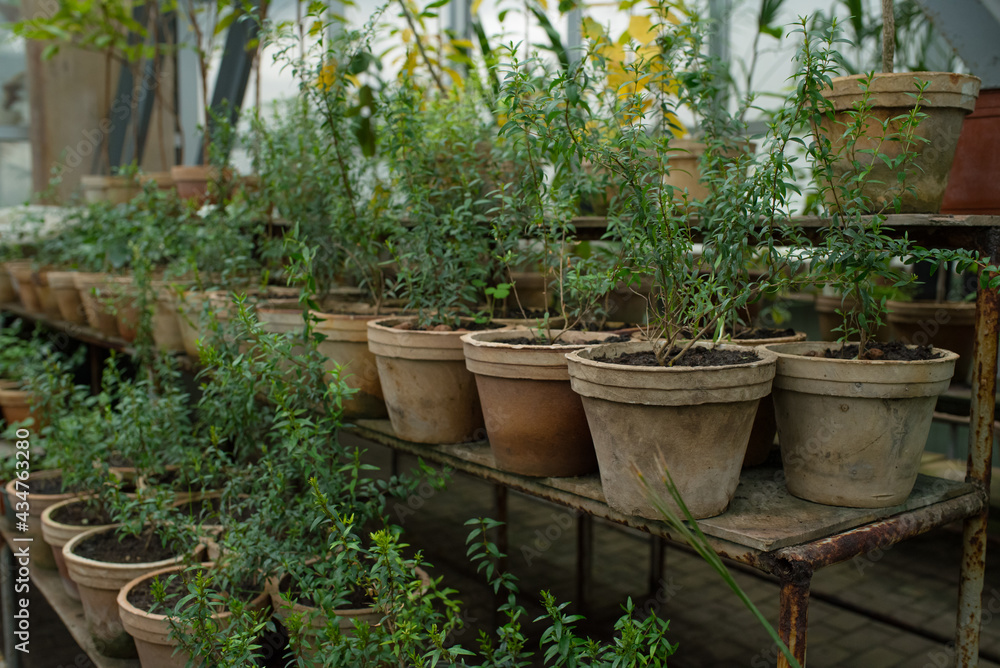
column 970, row 593
column 794, row 619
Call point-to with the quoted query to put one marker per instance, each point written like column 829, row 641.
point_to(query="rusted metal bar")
column 843, row 546
column 984, row 372
column 794, row 616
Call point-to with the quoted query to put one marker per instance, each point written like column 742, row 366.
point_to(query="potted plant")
column 443, row 266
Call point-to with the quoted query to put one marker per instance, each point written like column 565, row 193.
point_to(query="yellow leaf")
column 676, row 126
column 461, row 43
column 474, row 9
column 593, row 30
column 407, row 35
column 641, row 29
column 315, row 28
column 544, row 4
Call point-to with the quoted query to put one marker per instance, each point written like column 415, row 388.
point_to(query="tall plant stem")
column 888, row 36
column 420, row 46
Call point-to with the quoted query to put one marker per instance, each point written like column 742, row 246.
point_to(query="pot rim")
column 767, row 358
column 783, row 350
column 473, row 339
column 71, row 556
column 945, row 89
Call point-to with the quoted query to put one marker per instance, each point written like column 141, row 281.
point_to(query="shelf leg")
column 794, row 621
column 96, row 368
column 11, row 659
column 984, row 387
column 656, row 548
column 584, row 558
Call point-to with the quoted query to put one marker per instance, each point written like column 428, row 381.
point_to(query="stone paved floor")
column 916, row 582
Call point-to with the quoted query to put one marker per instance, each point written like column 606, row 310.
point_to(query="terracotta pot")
column 152, row 633
column 67, row 296
column 946, row 100
column 21, row 274
column 764, row 427
column 430, row 395
column 15, row 404
column 694, row 420
column 974, row 180
column 192, row 181
column 947, row 325
column 315, row 622
column 50, row 307
column 95, row 289
column 346, row 345
column 99, row 583
column 852, row 432
column 530, row 289
column 189, row 319
column 826, row 311
column 166, row 325
column 8, row 295
column 113, row 189
column 685, row 166
column 534, row 420
column 57, row 534
column 162, row 180
column 37, row 504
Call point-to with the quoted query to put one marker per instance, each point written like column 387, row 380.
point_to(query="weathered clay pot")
column 152, row 632
column 15, row 404
column 166, row 325
column 346, row 345
column 95, row 289
column 50, row 307
column 113, row 189
column 99, row 583
column 21, row 273
column 67, row 296
column 162, row 180
column 851, row 431
column 764, row 426
column 534, row 420
column 694, row 420
column 192, row 181
column 947, row 325
column 37, row 504
column 8, row 295
column 946, row 100
column 430, row 395
column 57, row 534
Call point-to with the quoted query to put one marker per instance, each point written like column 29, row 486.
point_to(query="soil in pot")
column 891, row 351
column 695, row 421
column 108, row 548
column 695, row 356
column 852, row 431
column 535, row 423
column 430, row 395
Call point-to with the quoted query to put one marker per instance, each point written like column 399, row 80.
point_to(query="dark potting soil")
column 756, row 333
column 45, row 485
column 141, row 596
column 357, row 598
column 139, row 549
column 466, row 327
column 535, row 341
column 693, row 357
column 603, row 326
column 81, row 515
column 891, row 352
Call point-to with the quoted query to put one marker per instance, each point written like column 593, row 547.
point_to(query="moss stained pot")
column 430, row 395
column 534, row 420
column 152, row 632
column 99, row 583
column 694, row 420
column 57, row 534
column 946, row 100
column 35, row 505
column 852, row 431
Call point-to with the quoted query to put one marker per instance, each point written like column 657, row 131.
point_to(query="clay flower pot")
column 99, row 583
column 152, row 632
column 346, row 345
column 947, row 325
column 57, row 534
column 534, row 420
column 764, row 427
column 972, row 183
column 113, row 189
column 63, row 287
column 166, row 318
column 21, row 274
column 946, row 100
column 50, row 306
column 852, row 431
column 192, row 181
column 430, row 395
column 95, row 289
column 16, row 405
column 37, row 505
column 696, row 421
column 8, row 295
